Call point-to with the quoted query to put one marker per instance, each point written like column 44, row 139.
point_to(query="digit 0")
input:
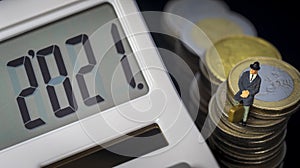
column 53, row 81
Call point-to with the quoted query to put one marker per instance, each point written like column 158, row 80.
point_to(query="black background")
column 275, row 21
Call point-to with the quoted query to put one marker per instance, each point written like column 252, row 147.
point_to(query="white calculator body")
column 82, row 84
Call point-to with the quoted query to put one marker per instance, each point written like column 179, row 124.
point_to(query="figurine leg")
column 247, row 108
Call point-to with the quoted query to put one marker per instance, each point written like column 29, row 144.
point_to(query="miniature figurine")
column 249, row 85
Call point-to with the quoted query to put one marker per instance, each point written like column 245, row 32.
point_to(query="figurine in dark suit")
column 249, row 85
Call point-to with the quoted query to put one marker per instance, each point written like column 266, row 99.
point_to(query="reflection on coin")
column 227, row 52
column 280, row 86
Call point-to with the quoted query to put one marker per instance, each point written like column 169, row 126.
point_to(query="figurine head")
column 254, row 68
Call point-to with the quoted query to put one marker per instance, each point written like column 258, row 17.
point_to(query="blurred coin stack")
column 197, row 25
column 179, row 15
column 261, row 143
column 213, row 40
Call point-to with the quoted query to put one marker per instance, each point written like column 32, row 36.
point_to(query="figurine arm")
column 240, row 83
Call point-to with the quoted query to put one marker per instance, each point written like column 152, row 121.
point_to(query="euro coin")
column 280, row 84
column 227, row 52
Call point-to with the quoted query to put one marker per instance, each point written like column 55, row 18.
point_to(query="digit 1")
column 83, row 39
column 51, row 82
column 29, row 124
column 124, row 60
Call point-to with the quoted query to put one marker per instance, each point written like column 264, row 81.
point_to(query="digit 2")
column 29, row 124
column 83, row 39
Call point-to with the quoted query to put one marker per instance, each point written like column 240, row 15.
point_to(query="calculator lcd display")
column 64, row 71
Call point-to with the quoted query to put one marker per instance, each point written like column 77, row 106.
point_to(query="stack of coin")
column 219, row 60
column 261, row 143
column 177, row 17
column 195, row 25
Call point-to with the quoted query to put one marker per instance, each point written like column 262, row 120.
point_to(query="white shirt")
column 254, row 76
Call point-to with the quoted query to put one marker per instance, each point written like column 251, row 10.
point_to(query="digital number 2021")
column 62, row 78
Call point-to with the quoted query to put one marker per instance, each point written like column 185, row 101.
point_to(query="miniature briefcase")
column 236, row 113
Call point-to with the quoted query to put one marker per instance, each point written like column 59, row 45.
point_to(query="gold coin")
column 212, row 82
column 280, row 83
column 216, row 28
column 227, row 52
